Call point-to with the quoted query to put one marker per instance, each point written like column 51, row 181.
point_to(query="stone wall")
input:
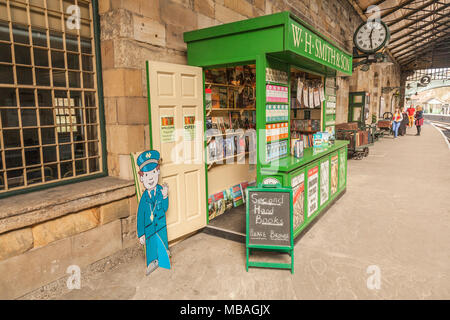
column 139, row 30
column 44, row 232
column 380, row 75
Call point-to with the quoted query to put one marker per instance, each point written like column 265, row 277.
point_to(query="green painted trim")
column 101, row 106
column 237, row 27
column 205, row 146
column 149, row 105
column 101, row 112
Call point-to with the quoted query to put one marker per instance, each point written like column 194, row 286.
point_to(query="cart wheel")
column 366, row 151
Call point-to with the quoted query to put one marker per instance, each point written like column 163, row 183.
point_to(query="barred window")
column 49, row 115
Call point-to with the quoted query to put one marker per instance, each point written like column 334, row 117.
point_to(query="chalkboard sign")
column 269, row 218
column 269, row 222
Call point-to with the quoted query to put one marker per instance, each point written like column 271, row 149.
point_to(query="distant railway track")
column 443, row 127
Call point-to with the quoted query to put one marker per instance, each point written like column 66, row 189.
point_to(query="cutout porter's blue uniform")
column 155, row 231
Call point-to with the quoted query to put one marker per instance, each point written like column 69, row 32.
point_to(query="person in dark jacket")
column 419, row 119
column 403, row 124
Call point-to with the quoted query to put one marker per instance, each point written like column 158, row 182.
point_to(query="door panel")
column 176, row 93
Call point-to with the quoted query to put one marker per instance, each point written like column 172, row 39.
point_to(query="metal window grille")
column 49, row 115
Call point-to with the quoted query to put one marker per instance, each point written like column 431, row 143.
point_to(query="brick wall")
column 133, row 31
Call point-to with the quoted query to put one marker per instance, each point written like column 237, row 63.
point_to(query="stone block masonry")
column 133, row 32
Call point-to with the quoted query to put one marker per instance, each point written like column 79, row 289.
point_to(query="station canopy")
column 420, row 30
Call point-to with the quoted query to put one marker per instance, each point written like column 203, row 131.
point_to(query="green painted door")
column 356, row 103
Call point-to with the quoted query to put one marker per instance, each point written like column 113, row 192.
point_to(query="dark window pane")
column 24, row 75
column 91, row 115
column 42, row 77
column 15, row 178
column 88, row 80
column 93, row 149
column 65, row 152
column 13, row 158
column 66, row 169
column 92, row 132
column 94, row 165
column 22, row 54
column 56, row 40
column 20, row 34
column 32, row 156
column 80, row 151
column 80, row 167
column 27, row 98
column 48, row 135
column 5, row 52
column 9, row 117
column 63, row 133
column 7, row 97
column 6, row 75
column 11, row 138
column 34, row 175
column 40, row 57
column 58, row 59
column 80, row 116
column 4, row 31
column 28, row 117
column 89, row 99
column 74, row 79
column 73, row 61
column 86, row 46
column 59, row 78
column 45, row 98
column 39, row 37
column 51, row 172
column 87, row 63
column 71, row 43
column 30, row 137
column 75, row 97
column 46, row 117
column 49, row 154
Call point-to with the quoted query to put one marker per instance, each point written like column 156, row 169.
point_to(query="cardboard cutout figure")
column 151, row 215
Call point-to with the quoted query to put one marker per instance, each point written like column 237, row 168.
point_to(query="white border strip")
column 443, row 135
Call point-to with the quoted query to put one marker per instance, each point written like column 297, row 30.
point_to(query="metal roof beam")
column 400, row 47
column 429, row 45
column 395, row 9
column 437, row 46
column 420, row 19
column 429, row 3
column 421, row 27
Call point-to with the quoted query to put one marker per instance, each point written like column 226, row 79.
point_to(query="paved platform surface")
column 395, row 215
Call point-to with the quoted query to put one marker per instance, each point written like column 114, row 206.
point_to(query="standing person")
column 419, row 119
column 411, row 112
column 396, row 120
column 403, row 124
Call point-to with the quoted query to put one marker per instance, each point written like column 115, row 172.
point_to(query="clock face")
column 371, row 37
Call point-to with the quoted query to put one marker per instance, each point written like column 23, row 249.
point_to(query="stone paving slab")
column 395, row 215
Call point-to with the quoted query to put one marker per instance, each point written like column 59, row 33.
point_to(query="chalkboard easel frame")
column 286, row 249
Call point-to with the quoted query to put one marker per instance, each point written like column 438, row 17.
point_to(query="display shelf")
column 228, row 85
column 223, row 160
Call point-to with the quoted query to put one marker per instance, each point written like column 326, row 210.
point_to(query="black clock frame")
column 388, row 35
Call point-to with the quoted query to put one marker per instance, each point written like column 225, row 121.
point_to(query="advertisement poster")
column 167, row 129
column 341, row 169
column 324, row 181
column 313, row 190
column 334, row 174
column 298, row 192
column 189, row 128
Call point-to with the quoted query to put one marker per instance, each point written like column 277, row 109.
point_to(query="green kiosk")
column 274, row 75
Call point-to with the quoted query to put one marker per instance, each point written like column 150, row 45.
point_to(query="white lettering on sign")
column 322, row 51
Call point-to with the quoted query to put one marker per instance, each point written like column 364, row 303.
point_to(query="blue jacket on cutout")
column 147, row 204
